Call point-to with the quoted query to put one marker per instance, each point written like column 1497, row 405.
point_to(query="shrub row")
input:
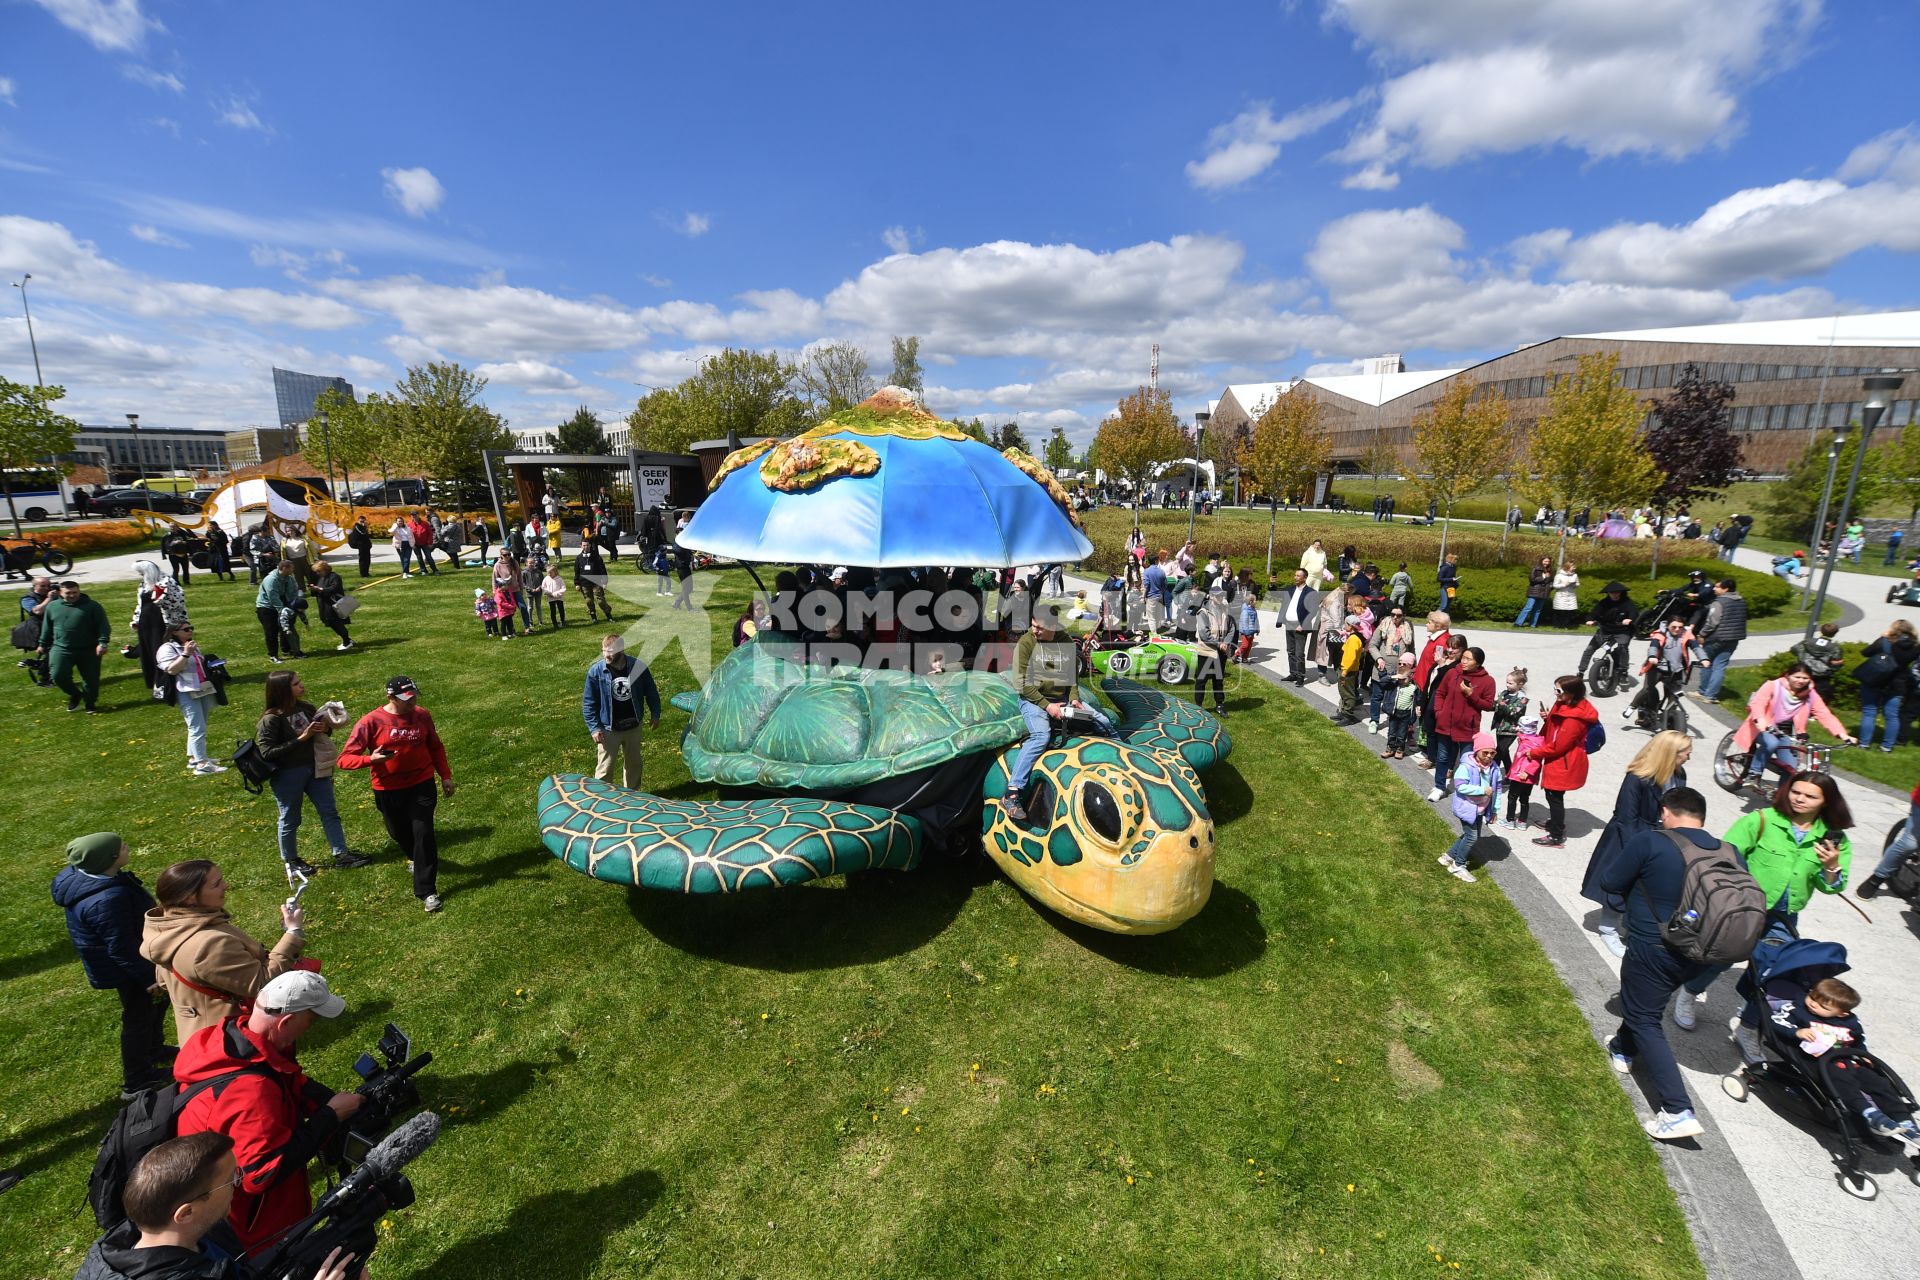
column 91, row 537
column 1496, row 595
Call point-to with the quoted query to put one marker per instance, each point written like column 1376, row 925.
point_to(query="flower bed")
column 96, row 537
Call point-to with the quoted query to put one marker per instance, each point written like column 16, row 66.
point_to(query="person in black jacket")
column 1539, row 587
column 1645, row 875
column 590, row 577
column 1613, row 620
column 683, row 570
column 286, row 736
column 1882, row 674
column 328, row 591
column 106, row 906
column 360, row 538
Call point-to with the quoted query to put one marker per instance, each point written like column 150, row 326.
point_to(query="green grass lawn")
column 1347, row 1064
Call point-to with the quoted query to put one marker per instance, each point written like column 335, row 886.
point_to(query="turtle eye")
column 1102, row 813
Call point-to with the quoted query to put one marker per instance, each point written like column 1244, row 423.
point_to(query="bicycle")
column 1608, row 670
column 1670, row 714
column 20, row 560
column 1730, row 765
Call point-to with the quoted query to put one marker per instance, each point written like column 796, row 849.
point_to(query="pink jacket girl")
column 1526, row 764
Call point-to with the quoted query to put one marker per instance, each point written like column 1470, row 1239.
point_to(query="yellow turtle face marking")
column 1117, row 838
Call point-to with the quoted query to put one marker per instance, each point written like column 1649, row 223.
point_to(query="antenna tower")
column 1153, row 370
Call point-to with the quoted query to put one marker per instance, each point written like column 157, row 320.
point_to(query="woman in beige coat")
column 207, row 964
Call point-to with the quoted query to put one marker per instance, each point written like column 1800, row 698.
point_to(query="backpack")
column 1722, row 911
column 254, row 769
column 26, row 635
column 137, row 1128
column 1596, row 737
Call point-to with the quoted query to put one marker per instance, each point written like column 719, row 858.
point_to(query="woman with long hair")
column 209, row 965
column 1657, row 769
column 1564, row 753
column 298, row 741
column 193, row 689
column 1882, row 676
column 328, row 590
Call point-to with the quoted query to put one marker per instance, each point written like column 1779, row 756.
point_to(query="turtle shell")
column 767, row 719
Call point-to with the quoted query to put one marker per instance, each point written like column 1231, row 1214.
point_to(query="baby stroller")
column 1805, row 1080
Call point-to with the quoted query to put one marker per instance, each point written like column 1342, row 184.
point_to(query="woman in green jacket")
column 1795, row 847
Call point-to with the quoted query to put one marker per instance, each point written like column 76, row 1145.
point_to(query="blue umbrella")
column 932, row 501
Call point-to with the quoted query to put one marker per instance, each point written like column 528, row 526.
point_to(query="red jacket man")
column 399, row 744
column 278, row 1119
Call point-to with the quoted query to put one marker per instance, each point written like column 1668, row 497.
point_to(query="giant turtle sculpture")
column 850, row 769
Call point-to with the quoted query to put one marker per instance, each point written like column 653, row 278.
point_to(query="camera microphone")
column 391, row 1154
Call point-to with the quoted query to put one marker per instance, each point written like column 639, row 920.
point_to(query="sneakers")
column 343, row 646
column 1868, row 888
column 1748, row 1039
column 1011, row 806
column 432, row 902
column 1459, row 872
column 1436, row 794
column 347, row 860
column 1621, row 1062
column 1908, row 1132
column 1627, row 714
column 1880, row 1124
column 275, row 661
column 73, row 704
column 304, row 867
column 1375, row 726
column 1671, row 1127
column 1615, row 947
column 1683, row 1002
column 206, row 768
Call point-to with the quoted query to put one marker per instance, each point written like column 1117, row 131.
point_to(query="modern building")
column 294, row 393
column 127, row 450
column 252, row 446
column 1792, row 380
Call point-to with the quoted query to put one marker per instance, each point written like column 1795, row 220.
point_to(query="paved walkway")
column 1758, row 1189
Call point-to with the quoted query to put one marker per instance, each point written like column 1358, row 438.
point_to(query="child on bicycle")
column 1663, row 674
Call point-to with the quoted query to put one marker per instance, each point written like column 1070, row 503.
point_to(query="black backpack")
column 254, row 769
column 137, row 1128
column 1722, row 911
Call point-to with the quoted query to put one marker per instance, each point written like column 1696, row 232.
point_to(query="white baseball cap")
column 300, row 991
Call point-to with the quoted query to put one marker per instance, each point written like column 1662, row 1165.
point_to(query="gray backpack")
column 1722, row 911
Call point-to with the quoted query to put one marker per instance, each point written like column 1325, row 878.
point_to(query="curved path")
column 1759, row 1191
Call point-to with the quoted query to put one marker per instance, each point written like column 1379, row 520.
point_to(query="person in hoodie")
column 399, row 745
column 1612, row 621
column 1563, row 754
column 105, row 904
column 210, row 966
column 177, row 1200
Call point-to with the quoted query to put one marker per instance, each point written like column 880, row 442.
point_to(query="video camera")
column 370, row 1161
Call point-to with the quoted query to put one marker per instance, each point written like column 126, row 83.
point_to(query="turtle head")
column 1116, row 837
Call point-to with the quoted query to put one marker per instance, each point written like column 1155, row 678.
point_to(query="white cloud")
column 536, row 376
column 658, row 282
column 6, row 91
column 111, row 26
column 74, row 269
column 692, row 224
column 415, row 190
column 166, row 124
column 152, row 79
column 900, row 240
column 364, row 371
column 351, row 233
column 153, row 235
column 1247, row 145
column 1659, row 77
column 1371, row 177
column 237, row 113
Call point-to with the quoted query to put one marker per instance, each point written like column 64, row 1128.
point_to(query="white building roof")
column 1378, row 388
column 1875, row 329
column 1255, row 396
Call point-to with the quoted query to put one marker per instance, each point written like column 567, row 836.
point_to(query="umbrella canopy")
column 885, row 485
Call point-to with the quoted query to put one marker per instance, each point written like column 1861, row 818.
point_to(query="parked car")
column 393, row 493
column 116, row 503
column 1169, row 660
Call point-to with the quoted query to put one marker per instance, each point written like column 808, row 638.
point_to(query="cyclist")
column 1614, row 617
column 1777, row 715
column 1666, row 668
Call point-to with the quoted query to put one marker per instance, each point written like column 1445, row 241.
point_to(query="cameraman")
column 277, row 1118
column 176, row 1196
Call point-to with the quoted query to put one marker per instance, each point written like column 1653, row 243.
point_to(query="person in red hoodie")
column 1459, row 697
column 239, row 1077
column 1564, row 755
column 399, row 744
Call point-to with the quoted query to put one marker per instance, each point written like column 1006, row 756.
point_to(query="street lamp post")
column 1826, row 496
column 21, row 285
column 1193, row 486
column 1878, row 388
column 139, row 459
column 326, row 442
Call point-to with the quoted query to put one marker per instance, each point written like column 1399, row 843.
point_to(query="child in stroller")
column 1815, row 1050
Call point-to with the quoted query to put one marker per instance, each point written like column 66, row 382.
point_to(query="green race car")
column 1164, row 658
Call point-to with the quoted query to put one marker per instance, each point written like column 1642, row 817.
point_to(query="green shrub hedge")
column 1496, row 594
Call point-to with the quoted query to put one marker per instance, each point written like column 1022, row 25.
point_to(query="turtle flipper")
column 716, row 846
column 1160, row 722
column 688, row 702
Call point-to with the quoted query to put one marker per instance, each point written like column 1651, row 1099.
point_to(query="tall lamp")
column 139, row 458
column 326, row 442
column 1879, row 387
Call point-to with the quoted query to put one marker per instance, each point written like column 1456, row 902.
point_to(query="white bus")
column 35, row 493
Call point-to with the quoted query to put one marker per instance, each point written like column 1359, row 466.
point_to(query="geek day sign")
column 655, row 483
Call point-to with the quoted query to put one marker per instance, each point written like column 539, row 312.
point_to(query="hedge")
column 93, row 537
column 1495, row 595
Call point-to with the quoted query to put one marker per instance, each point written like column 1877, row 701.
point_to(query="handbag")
column 344, row 606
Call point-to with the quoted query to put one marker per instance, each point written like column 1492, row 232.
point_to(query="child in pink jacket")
column 1525, row 772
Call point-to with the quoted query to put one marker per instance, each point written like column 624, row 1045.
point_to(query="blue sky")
column 578, row 198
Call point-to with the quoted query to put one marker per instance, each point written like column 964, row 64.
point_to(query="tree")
column 834, row 377
column 31, row 433
column 1460, row 441
column 906, row 365
column 582, row 433
column 662, row 422
column 442, row 427
column 1009, row 436
column 1587, row 450
column 1059, row 455
column 1791, row 506
column 746, row 393
column 975, row 428
column 357, row 432
column 1140, row 434
column 1690, row 439
column 1290, row 447
column 1378, row 459
column 1901, row 463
